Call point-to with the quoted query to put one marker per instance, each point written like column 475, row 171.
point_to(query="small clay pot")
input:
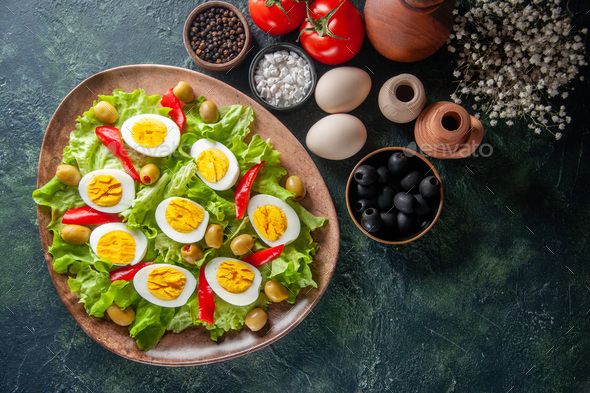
column 402, row 98
column 445, row 130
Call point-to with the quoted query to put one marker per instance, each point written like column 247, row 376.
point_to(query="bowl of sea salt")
column 282, row 77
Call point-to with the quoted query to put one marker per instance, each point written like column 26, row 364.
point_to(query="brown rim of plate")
column 214, row 66
column 186, row 348
column 419, row 234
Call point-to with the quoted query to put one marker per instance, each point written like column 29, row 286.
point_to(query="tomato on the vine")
column 333, row 31
column 277, row 17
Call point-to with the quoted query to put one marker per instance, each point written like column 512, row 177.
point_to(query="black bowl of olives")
column 394, row 195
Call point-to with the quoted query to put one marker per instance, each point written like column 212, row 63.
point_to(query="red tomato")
column 277, row 17
column 334, row 31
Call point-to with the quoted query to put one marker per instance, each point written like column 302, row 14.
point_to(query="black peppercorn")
column 217, row 35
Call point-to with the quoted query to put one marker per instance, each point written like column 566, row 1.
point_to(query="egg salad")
column 169, row 215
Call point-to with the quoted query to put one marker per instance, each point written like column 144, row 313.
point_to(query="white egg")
column 233, row 171
column 140, row 282
column 293, row 225
column 127, row 190
column 181, row 237
column 139, row 239
column 165, row 144
column 249, row 296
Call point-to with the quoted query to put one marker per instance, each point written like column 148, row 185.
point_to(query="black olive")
column 383, row 175
column 404, row 202
column 410, row 181
column 421, row 208
column 369, row 191
column 405, row 223
column 371, row 220
column 365, row 175
column 363, row 204
column 429, row 186
column 398, row 163
column 385, row 198
column 389, row 219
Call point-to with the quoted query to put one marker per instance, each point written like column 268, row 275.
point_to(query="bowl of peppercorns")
column 217, row 36
column 394, row 195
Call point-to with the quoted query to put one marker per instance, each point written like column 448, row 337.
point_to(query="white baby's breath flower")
column 514, row 55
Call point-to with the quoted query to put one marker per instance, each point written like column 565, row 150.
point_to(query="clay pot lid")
column 445, row 130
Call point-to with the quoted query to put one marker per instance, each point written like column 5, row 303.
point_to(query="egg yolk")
column 212, row 164
column 234, row 276
column 270, row 221
column 116, row 247
column 105, row 190
column 166, row 283
column 183, row 215
column 149, row 132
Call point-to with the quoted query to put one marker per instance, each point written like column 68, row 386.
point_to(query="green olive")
column 208, row 111
column 75, row 234
column 296, row 186
column 214, row 236
column 275, row 291
column 256, row 319
column 106, row 112
column 68, row 174
column 191, row 253
column 119, row 316
column 149, row 174
column 184, row 92
column 241, row 245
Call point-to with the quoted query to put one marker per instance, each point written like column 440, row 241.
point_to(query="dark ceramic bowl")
column 273, row 48
column 376, row 159
column 214, row 66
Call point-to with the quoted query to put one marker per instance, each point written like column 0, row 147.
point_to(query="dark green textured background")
column 495, row 299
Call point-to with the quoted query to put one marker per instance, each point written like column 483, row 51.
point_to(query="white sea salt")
column 283, row 78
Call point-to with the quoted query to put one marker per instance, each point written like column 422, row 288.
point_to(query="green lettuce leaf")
column 150, row 324
column 58, row 197
column 89, row 285
column 70, row 257
column 228, row 317
column 141, row 215
column 120, row 292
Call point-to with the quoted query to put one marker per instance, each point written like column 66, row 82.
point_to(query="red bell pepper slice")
column 111, row 138
column 169, row 100
column 86, row 215
column 128, row 272
column 261, row 257
column 206, row 299
column 242, row 194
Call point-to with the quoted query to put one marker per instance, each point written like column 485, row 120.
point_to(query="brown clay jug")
column 408, row 30
column 445, row 130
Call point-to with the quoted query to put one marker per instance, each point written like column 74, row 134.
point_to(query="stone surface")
column 495, row 299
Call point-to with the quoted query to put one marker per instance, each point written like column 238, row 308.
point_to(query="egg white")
column 293, row 223
column 140, row 284
column 138, row 236
column 127, row 188
column 168, row 146
column 185, row 238
column 249, row 296
column 233, row 171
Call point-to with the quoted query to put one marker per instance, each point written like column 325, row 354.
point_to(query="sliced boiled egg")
column 234, row 281
column 273, row 219
column 217, row 166
column 118, row 244
column 151, row 135
column 107, row 190
column 165, row 285
column 182, row 220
